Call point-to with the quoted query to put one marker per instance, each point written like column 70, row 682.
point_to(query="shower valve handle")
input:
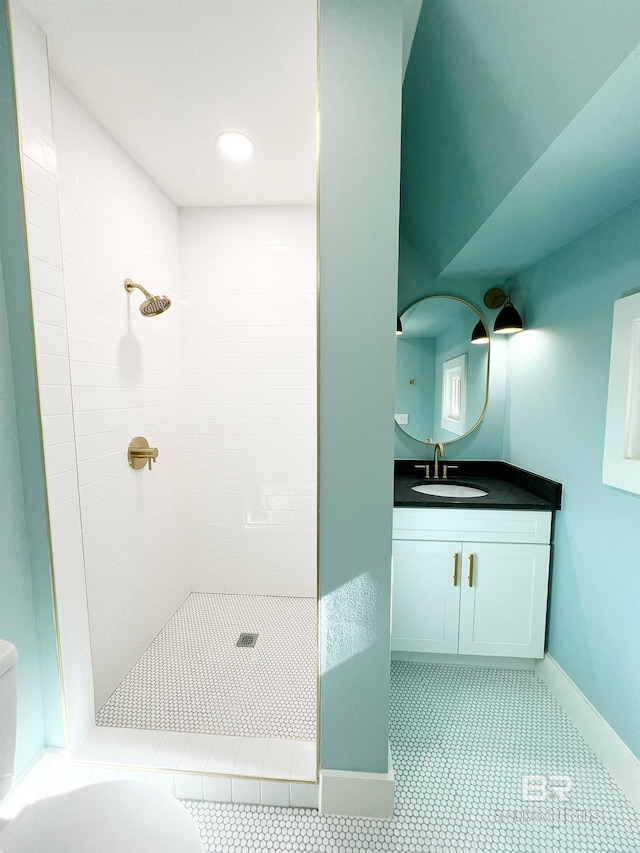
column 153, row 456
column 139, row 453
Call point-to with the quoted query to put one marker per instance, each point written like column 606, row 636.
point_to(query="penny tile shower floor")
column 485, row 761
column 193, row 678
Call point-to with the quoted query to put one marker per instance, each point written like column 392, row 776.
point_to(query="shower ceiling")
column 165, row 77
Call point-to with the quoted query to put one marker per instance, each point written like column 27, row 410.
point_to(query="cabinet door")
column 425, row 602
column 503, row 611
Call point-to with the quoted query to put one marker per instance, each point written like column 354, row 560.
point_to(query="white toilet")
column 108, row 817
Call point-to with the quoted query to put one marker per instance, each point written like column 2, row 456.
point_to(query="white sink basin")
column 449, row 490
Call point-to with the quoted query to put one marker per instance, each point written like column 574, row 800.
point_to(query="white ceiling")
column 165, row 77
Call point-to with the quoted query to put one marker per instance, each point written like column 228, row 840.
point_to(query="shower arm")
column 129, row 285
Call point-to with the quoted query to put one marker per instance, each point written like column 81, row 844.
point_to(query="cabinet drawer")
column 454, row 525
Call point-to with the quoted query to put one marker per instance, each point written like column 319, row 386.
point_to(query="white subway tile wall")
column 39, row 171
column 126, row 372
column 249, row 289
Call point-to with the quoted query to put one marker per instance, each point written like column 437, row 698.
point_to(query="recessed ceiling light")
column 235, row 145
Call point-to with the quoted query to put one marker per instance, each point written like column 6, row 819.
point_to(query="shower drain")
column 247, row 641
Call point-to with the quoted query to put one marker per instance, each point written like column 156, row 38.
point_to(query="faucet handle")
column 446, row 469
column 153, row 456
column 426, row 470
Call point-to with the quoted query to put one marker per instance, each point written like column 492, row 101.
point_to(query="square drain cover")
column 247, row 641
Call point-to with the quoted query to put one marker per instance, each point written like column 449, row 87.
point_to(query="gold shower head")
column 152, row 305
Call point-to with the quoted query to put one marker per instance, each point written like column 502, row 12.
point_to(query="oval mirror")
column 442, row 379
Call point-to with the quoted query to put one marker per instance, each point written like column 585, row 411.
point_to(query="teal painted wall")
column 26, row 602
column 415, row 281
column 557, row 400
column 360, row 100
column 588, row 173
column 415, row 383
column 17, row 612
column 489, row 86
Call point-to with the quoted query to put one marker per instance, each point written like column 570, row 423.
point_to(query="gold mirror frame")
column 488, row 375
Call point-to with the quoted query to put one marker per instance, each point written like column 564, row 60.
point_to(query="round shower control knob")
column 140, row 454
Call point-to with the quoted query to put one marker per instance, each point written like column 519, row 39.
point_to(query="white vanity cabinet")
column 470, row 582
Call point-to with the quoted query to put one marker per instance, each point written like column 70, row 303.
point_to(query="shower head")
column 155, row 305
column 152, row 305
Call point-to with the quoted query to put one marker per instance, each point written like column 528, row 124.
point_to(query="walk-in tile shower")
column 160, row 566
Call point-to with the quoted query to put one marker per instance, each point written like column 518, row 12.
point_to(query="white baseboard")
column 465, row 660
column 608, row 746
column 355, row 794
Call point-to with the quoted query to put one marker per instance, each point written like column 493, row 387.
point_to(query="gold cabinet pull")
column 471, row 556
column 456, row 562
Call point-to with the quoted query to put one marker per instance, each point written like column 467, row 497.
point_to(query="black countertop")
column 507, row 487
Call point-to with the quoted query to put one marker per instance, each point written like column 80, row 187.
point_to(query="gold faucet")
column 438, row 449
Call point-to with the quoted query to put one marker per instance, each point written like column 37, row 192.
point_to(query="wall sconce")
column 480, row 335
column 399, row 326
column 508, row 320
